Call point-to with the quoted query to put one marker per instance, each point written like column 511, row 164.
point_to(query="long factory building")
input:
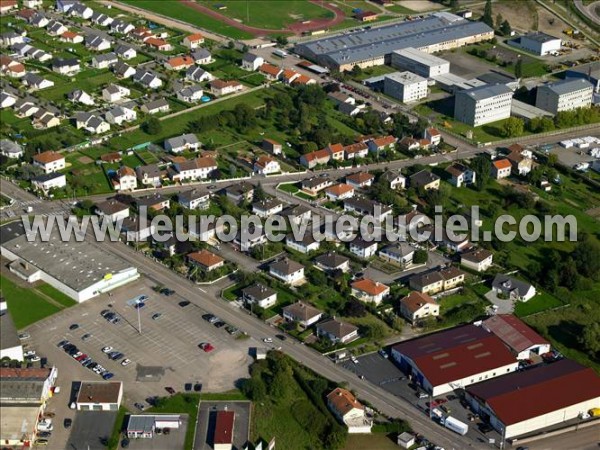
column 374, row 46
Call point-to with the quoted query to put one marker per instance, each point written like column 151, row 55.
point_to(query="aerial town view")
column 300, row 224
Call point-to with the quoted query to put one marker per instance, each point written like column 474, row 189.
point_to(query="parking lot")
column 175, row 440
column 90, row 429
column 570, row 157
column 165, row 354
column 206, row 423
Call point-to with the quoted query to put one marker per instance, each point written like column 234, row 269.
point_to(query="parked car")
column 184, row 303
column 108, row 376
column 125, row 362
column 125, row 443
column 68, row 422
column 281, row 337
column 73, row 327
column 353, row 359
column 268, row 340
column 206, row 346
column 139, row 406
column 156, row 316
column 62, row 343
column 383, row 353
column 86, row 336
column 41, row 442
column 170, row 390
column 44, row 434
column 197, row 387
column 207, row 317
column 139, row 305
column 24, row 336
column 187, row 387
column 107, row 349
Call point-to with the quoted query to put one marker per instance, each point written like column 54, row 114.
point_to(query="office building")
column 405, row 86
column 481, row 105
column 564, row 95
column 419, row 62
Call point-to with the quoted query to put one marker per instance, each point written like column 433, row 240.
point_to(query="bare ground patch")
column 419, row 5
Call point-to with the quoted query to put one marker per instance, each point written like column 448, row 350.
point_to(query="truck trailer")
column 456, row 425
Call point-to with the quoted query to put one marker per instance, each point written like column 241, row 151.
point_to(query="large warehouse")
column 371, row 47
column 537, row 398
column 519, row 337
column 78, row 269
column 455, row 358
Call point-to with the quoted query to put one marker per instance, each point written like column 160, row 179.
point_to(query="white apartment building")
column 564, row 95
column 419, row 62
column 481, row 105
column 405, row 86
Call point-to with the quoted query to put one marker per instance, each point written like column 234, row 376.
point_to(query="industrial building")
column 405, row 86
column 589, row 71
column 223, row 430
column 144, row 426
column 453, row 359
column 100, row 396
column 371, row 47
column 540, row 43
column 419, row 62
column 481, row 105
column 540, row 397
column 564, row 95
column 518, row 336
column 76, row 268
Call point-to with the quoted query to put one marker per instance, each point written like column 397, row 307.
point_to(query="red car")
column 207, row 347
column 81, row 357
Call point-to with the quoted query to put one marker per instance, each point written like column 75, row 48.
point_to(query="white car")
column 354, row 360
column 125, row 362
column 45, row 425
column 107, row 349
column 29, row 353
column 77, row 355
column 268, row 340
column 33, row 358
column 24, row 336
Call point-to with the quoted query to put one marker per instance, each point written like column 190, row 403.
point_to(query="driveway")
column 504, row 306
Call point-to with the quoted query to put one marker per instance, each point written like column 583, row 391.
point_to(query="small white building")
column 47, row 181
column 99, row 396
column 416, row 306
column 185, row 142
column 369, row 291
column 513, row 288
column 302, row 313
column 517, row 336
column 114, row 93
column 478, row 259
column 252, row 62
column 49, row 161
column 260, row 295
column 405, row 86
column 265, row 165
column 112, row 210
column 348, row 410
column 288, row 271
column 540, row 43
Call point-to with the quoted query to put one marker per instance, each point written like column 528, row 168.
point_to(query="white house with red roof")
column 348, row 410
column 433, row 135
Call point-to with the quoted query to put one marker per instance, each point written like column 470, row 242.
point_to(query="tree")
column 259, row 192
column 519, row 68
column 513, row 127
column 482, row 167
column 152, row 126
column 499, row 20
column 488, row 18
column 590, row 338
column 375, row 331
column 354, row 308
column 281, row 40
column 420, row 256
column 587, row 257
column 505, row 28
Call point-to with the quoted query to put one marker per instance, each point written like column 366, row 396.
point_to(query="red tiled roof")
column 319, row 154
column 540, row 390
column 195, row 37
column 356, row 148
column 205, row 258
column 513, row 332
column 302, row 79
column 220, row 84
column 384, row 141
column 360, row 177
column 456, row 354
column 155, row 42
column 370, row 287
column 8, row 372
column 415, row 300
column 125, row 171
column 433, row 132
column 335, row 148
column 264, row 160
column 224, row 427
column 69, row 35
column 502, row 164
column 343, row 401
column 48, row 157
column 179, row 61
column 270, row 69
column 339, row 189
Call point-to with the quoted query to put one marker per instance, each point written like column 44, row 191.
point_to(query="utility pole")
column 139, row 319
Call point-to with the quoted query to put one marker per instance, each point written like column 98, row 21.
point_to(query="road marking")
column 202, row 290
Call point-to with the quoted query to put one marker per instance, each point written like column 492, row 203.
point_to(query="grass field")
column 26, row 306
column 540, row 302
column 274, row 15
column 181, row 12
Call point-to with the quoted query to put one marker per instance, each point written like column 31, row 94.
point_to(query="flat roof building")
column 481, row 105
column 99, row 396
column 18, row 424
column 540, row 397
column 365, row 48
column 589, row 71
column 564, row 95
column 540, row 43
column 405, row 86
column 419, row 62
column 453, row 359
column 77, row 269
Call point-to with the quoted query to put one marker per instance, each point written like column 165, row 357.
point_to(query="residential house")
column 101, row 19
column 125, row 52
column 121, row 27
column 267, row 208
column 433, row 135
column 49, row 181
column 71, row 38
column 147, row 79
column 513, row 288
column 460, row 175
column 185, row 142
column 478, row 259
column 198, row 75
column 350, row 109
column 120, row 114
column 400, row 253
column 260, row 295
column 239, row 192
column 205, row 260
column 155, row 202
column 124, row 179
column 265, row 165
column 7, row 6
column 114, row 93
column 123, row 70
column 104, row 60
column 156, row 106
column 112, row 210
column 149, row 175
column 25, row 108
column 96, row 43
column 437, row 281
column 252, row 62
column 521, row 165
column 158, row 44
column 44, row 119
column 137, row 229
column 367, row 207
column 35, row 83
column 305, row 245
column 360, row 180
column 382, row 144
column 202, row 56
column 64, row 6
column 10, row 149
column 11, row 38
column 288, row 76
column 394, row 179
column 41, row 21
column 314, row 159
column 49, row 161
column 32, row 3
column 296, row 214
column 194, row 199
column 247, row 241
column 271, row 72
column 340, row 97
column 416, row 306
column 501, row 169
column 333, row 261
column 315, row 185
column 91, row 123
column 81, row 10
column 348, row 410
column 11, row 67
column 195, row 169
column 366, row 16
column 220, row 87
column 190, row 94
column 369, row 291
column 55, row 28
column 7, row 100
column 179, row 63
column 424, row 179
column 193, row 41
column 339, row 191
column 302, row 313
column 363, row 249
column 337, row 332
column 358, row 150
column 288, row 271
column 409, row 144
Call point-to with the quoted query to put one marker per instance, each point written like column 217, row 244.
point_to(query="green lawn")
column 56, row 295
column 181, row 12
column 288, row 187
column 115, row 439
column 274, row 15
column 26, row 306
column 541, row 302
column 181, row 404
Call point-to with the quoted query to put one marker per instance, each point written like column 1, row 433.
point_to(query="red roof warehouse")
column 444, row 361
column 542, row 396
column 223, row 439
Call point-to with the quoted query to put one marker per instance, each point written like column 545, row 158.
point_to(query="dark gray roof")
column 156, row 104
column 250, row 57
column 508, row 283
column 258, row 291
column 59, row 62
column 189, row 91
column 192, row 194
column 336, row 328
column 111, row 206
column 106, row 57
column 47, row 177
column 286, row 266
column 365, row 205
column 182, row 140
column 121, row 49
column 423, row 178
column 568, row 86
column 487, row 91
column 331, row 260
column 7, row 146
column 401, row 249
column 150, row 200
column 265, row 205
column 121, row 67
column 239, row 188
column 295, row 210
column 540, row 37
column 152, row 171
column 200, row 53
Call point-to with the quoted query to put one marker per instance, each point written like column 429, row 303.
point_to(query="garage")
column 99, row 396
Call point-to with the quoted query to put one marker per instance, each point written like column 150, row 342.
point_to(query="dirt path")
column 296, row 28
